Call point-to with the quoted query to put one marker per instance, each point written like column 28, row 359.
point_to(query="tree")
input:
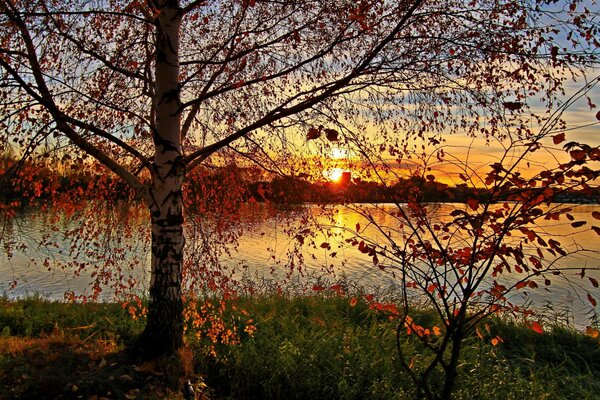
column 153, row 89
column 469, row 260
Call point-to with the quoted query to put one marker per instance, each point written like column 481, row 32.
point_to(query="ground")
column 58, row 367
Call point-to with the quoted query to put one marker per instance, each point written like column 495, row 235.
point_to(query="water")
column 279, row 244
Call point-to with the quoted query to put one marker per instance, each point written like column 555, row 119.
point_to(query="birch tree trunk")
column 164, row 328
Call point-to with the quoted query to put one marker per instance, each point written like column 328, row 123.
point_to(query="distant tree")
column 153, row 89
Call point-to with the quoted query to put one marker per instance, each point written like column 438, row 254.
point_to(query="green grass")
column 319, row 347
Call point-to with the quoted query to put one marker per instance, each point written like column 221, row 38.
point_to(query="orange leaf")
column 591, row 332
column 353, row 302
column 537, row 328
column 478, row 332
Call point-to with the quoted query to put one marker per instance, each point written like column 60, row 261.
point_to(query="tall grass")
column 321, row 347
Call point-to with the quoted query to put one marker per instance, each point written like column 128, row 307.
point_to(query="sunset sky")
column 477, row 154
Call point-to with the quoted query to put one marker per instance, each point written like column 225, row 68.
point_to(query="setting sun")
column 334, row 174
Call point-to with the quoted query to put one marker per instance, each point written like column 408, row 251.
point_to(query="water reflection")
column 56, row 252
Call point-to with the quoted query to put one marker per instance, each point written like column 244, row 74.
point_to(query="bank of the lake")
column 317, row 347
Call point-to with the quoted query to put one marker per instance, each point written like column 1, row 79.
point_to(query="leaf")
column 357, row 227
column 473, row 204
column 313, row 133
column 536, row 327
column 578, row 224
column 325, row 245
column 557, row 139
column 361, row 246
column 512, row 105
column 591, row 105
column 593, row 333
column 592, row 300
column 461, row 176
column 596, row 214
column 593, row 281
column 331, row 134
column 496, row 341
column 578, row 155
column 598, row 115
column 596, row 229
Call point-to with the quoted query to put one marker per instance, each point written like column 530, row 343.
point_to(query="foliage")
column 468, row 261
column 318, row 346
column 152, row 90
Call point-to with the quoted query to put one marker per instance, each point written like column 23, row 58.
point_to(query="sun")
column 334, row 174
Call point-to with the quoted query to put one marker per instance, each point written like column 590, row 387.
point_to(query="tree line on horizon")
column 40, row 181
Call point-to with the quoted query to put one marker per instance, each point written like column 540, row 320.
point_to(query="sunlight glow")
column 334, row 174
column 338, row 153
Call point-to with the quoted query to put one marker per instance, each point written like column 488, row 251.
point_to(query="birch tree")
column 152, row 89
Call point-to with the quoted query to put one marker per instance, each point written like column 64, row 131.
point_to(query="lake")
column 277, row 244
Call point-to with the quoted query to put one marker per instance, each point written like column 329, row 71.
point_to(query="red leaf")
column 336, row 288
column 592, row 299
column 596, row 229
column 473, row 203
column 325, row 245
column 537, row 328
column 593, row 281
column 578, row 155
column 578, row 224
column 598, row 115
column 313, row 133
column 331, row 134
column 357, row 227
column 512, row 105
column 558, row 138
column 596, row 214
column 461, row 176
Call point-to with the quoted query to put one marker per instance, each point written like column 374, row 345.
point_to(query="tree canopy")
column 152, row 89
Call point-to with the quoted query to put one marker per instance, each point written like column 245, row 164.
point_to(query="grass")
column 313, row 347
